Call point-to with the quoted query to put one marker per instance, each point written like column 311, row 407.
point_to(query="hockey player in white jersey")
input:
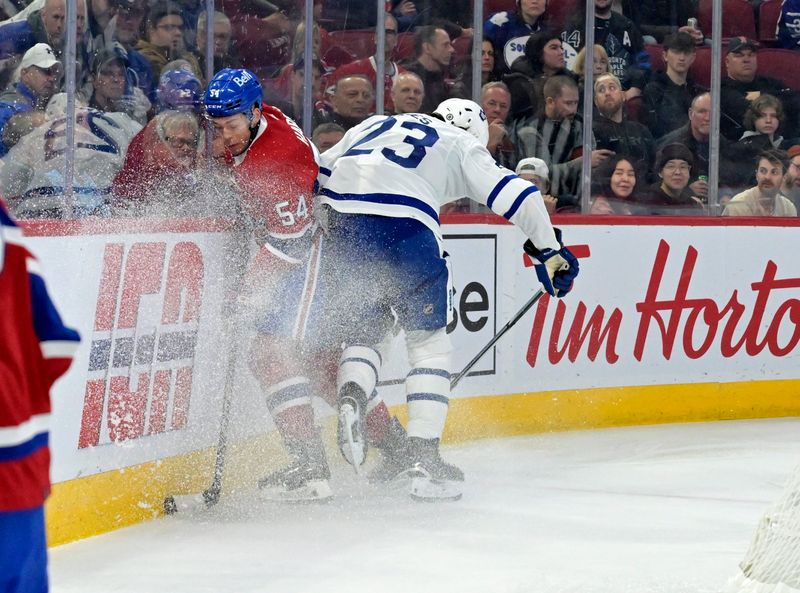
column 32, row 177
column 382, row 187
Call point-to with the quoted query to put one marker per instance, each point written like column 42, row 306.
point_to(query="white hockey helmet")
column 467, row 115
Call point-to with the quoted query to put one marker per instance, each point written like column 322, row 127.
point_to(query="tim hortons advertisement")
column 665, row 305
column 653, row 305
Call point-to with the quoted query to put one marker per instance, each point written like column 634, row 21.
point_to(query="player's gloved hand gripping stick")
column 556, row 271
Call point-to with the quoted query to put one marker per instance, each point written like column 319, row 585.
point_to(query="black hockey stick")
column 519, row 315
column 210, row 496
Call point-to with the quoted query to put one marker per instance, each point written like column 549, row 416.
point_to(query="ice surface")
column 661, row 509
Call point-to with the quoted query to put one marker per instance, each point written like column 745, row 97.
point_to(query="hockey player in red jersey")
column 35, row 350
column 276, row 168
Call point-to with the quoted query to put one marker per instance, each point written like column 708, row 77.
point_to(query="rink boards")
column 668, row 322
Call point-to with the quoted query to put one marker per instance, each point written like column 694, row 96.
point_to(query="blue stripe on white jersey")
column 408, row 166
column 402, row 203
column 497, row 188
column 518, row 201
column 508, row 195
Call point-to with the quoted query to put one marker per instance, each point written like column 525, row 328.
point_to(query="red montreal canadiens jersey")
column 35, row 350
column 277, row 177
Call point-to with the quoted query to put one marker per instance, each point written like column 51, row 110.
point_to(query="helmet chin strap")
column 254, row 128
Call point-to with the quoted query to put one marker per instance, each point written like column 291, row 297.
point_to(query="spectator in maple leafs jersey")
column 509, row 31
column 543, row 59
column 621, row 39
column 33, row 175
column 789, row 24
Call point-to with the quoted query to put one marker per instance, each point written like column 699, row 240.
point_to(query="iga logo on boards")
column 143, row 343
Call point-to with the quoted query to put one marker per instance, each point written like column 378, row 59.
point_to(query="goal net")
column 772, row 564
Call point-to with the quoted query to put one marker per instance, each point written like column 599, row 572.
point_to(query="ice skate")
column 350, row 431
column 393, row 451
column 303, row 480
column 432, row 478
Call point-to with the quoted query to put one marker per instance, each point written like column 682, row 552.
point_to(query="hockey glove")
column 556, row 270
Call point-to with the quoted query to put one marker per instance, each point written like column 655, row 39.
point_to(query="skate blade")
column 428, row 490
column 353, row 448
column 315, row 491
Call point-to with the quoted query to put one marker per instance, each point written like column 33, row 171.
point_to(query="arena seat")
column 634, row 109
column 358, row 42
column 737, row 18
column 769, row 11
column 701, row 69
column 336, row 56
column 656, row 53
column 405, row 47
column 462, row 45
column 783, row 64
column 492, row 6
column 561, row 11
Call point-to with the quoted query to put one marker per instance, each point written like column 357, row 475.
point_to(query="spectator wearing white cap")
column 536, row 171
column 46, row 25
column 39, row 75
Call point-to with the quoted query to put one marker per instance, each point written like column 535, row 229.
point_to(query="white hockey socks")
column 360, row 365
column 428, row 382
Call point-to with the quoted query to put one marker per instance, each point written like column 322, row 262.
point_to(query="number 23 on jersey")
column 417, row 144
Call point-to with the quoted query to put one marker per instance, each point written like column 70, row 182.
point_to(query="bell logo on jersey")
column 143, row 345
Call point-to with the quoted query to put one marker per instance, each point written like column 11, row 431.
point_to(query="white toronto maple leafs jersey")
column 34, row 168
column 408, row 166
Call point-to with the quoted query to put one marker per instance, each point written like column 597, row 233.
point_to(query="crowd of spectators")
column 140, row 70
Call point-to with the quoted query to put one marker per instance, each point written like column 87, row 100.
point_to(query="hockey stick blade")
column 210, row 496
column 191, row 502
column 512, row 322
